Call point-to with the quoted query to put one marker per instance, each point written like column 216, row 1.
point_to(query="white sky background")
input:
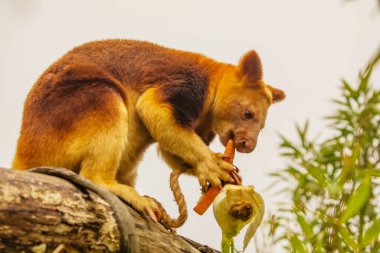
column 306, row 47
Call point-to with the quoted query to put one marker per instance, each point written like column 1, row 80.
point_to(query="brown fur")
column 99, row 107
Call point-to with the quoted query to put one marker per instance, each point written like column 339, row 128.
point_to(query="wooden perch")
column 43, row 213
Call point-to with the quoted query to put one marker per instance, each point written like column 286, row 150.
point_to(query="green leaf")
column 316, row 173
column 348, row 88
column 305, row 226
column 334, row 189
column 302, row 132
column 376, row 248
column 348, row 238
column 357, row 200
column 339, row 197
column 318, row 250
column 363, row 86
column 373, row 172
column 297, row 245
column 349, row 165
column 339, row 102
column 371, row 234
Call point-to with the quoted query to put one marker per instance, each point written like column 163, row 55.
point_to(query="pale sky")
column 306, row 48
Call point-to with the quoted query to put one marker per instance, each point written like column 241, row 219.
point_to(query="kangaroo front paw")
column 214, row 170
column 149, row 206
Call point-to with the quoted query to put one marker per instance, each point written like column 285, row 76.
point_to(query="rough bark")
column 42, row 213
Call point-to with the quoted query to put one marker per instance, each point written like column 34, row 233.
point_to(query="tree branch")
column 43, row 213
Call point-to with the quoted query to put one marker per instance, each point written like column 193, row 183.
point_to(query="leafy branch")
column 335, row 183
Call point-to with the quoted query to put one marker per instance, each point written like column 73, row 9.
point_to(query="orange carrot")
column 229, row 153
column 207, row 198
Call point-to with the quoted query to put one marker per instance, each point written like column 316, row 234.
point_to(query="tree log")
column 44, row 213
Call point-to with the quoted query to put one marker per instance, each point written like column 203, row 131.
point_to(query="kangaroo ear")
column 250, row 66
column 277, row 95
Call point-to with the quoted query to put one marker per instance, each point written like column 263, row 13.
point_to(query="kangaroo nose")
column 245, row 146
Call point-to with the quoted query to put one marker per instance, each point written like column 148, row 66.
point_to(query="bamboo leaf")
column 376, row 248
column 348, row 88
column 318, row 250
column 348, row 238
column 305, row 226
column 302, row 132
column 357, row 200
column 332, row 190
column 349, row 165
column 372, row 172
column 363, row 86
column 316, row 173
column 297, row 245
column 371, row 234
column 339, row 102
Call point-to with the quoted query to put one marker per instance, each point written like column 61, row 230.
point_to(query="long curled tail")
column 166, row 220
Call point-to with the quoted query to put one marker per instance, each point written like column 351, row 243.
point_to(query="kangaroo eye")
column 248, row 114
